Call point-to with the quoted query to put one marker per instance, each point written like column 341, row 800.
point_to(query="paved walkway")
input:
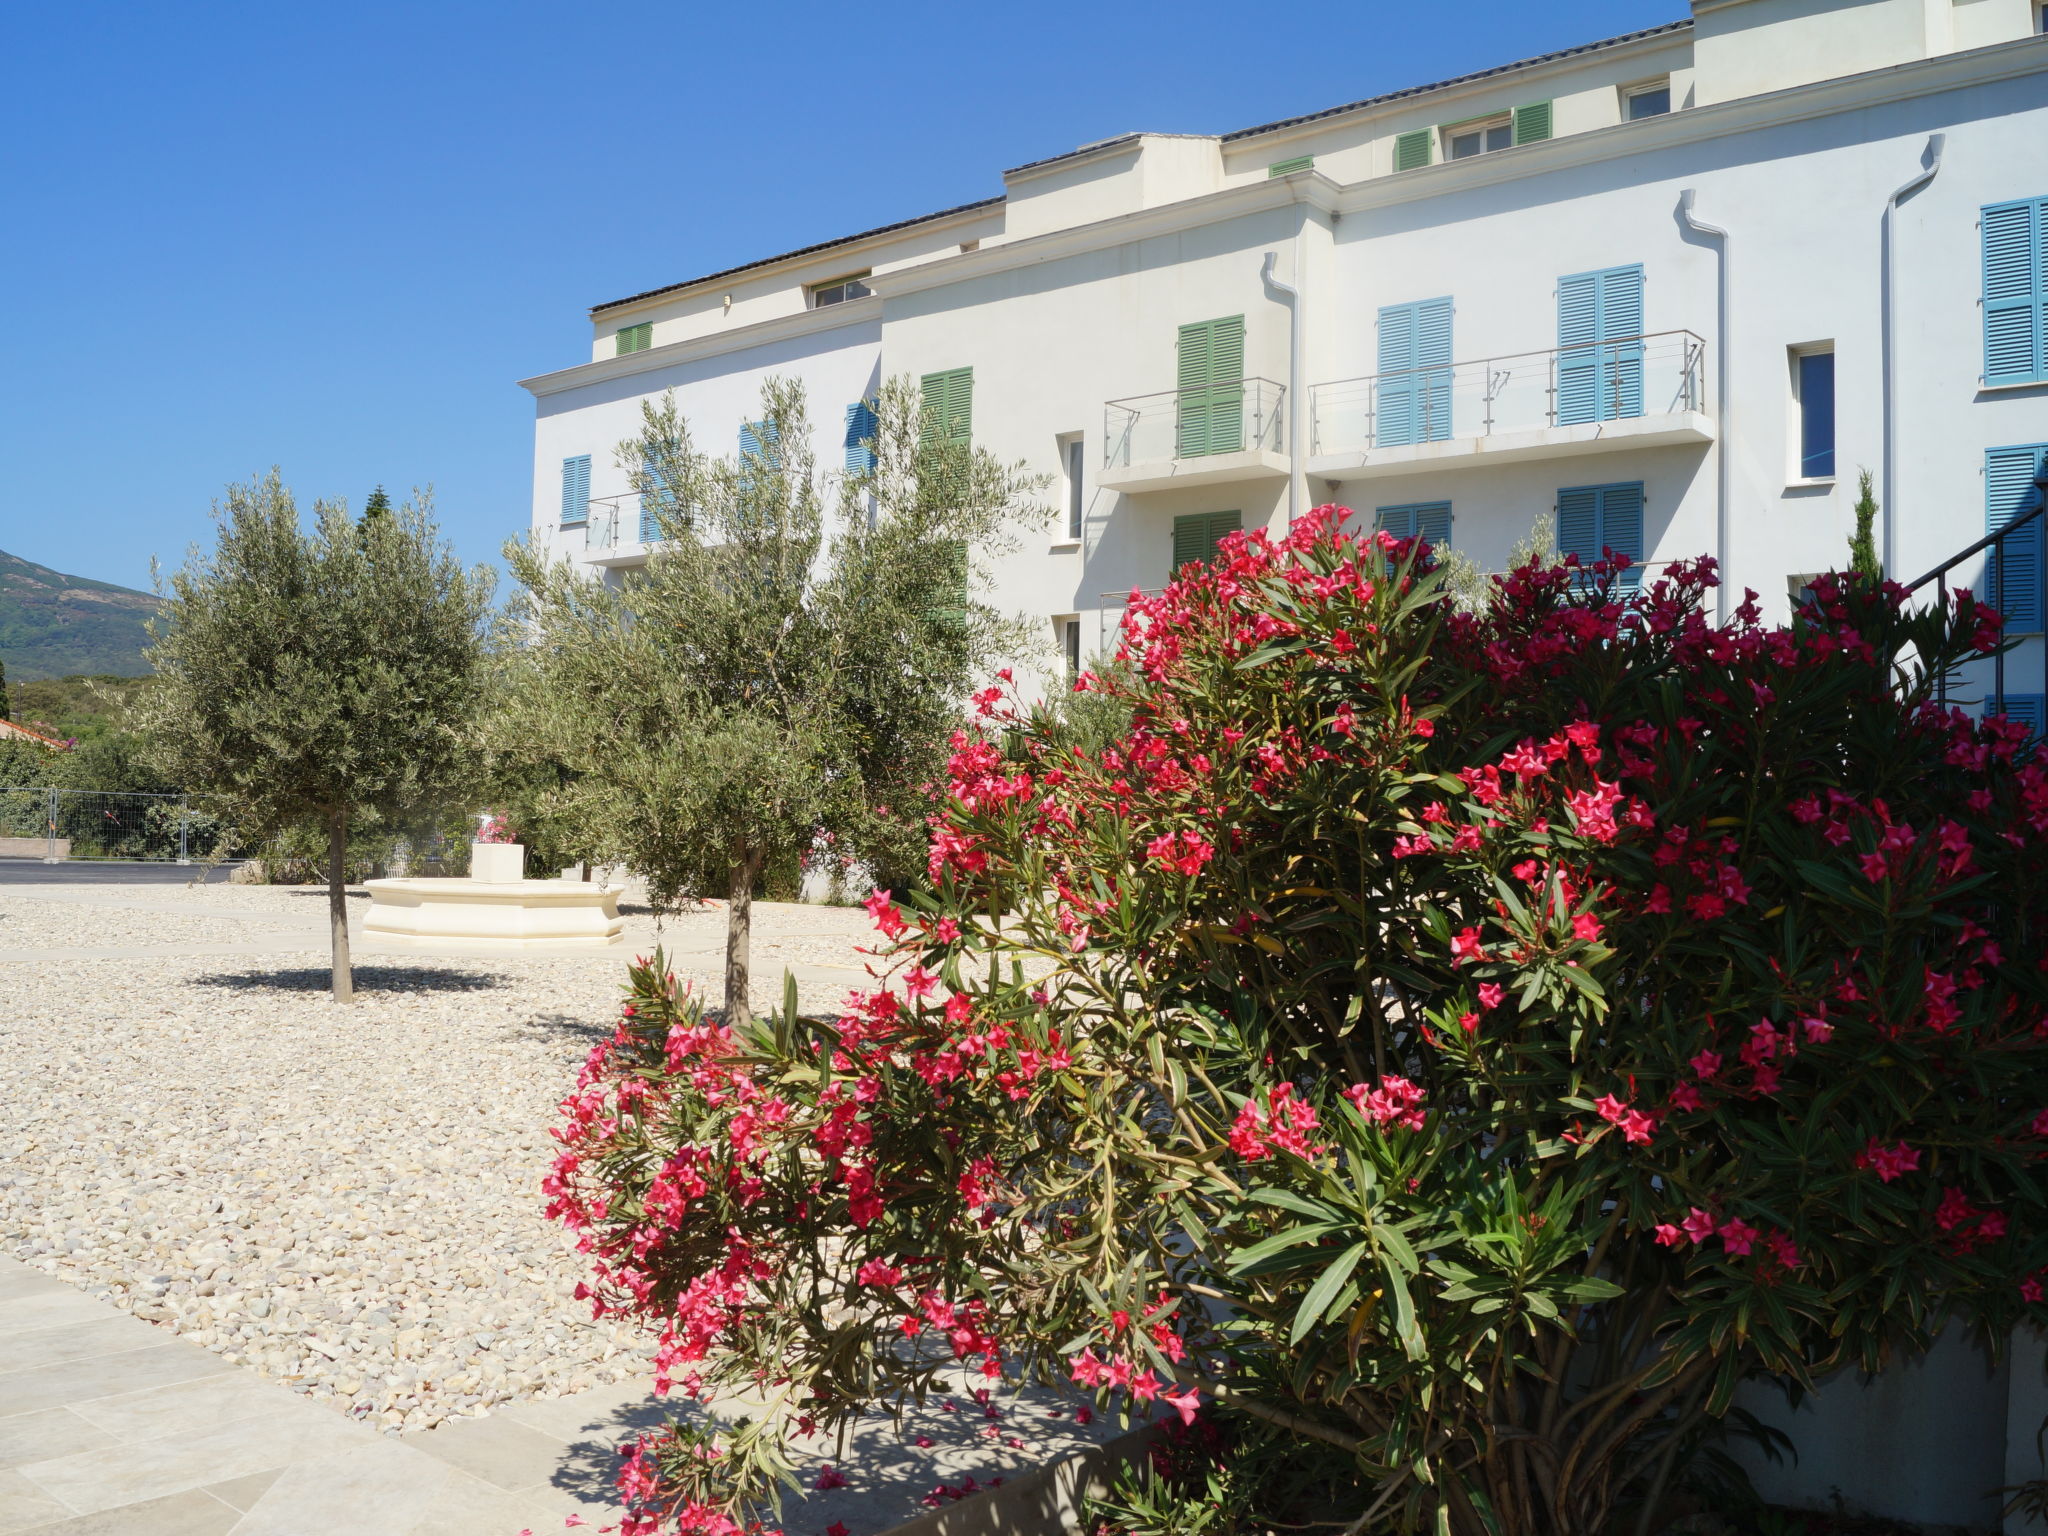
column 112, row 1427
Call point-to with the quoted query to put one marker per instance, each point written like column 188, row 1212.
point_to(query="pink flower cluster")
column 1396, row 1102
column 1285, row 1123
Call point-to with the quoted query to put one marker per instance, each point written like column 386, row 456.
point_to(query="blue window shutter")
column 1410, row 405
column 1600, row 349
column 576, row 489
column 1578, row 523
column 2016, row 292
column 860, row 437
column 759, row 440
column 1430, row 519
column 1592, row 519
column 650, row 526
column 2008, row 491
column 1621, row 525
column 2030, row 709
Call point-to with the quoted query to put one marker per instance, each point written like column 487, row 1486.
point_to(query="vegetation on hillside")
column 53, row 625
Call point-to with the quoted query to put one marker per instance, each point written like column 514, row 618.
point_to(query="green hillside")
column 53, row 625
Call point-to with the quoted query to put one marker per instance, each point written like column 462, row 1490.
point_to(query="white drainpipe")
column 1723, row 329
column 1932, row 160
column 1291, row 295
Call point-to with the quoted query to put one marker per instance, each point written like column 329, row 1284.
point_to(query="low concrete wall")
column 33, row 848
column 1929, row 1440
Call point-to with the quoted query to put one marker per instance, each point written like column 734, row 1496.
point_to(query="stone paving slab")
column 170, row 1440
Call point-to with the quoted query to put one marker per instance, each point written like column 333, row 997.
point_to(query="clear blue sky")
column 330, row 237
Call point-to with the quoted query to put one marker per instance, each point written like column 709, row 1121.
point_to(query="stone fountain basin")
column 494, row 916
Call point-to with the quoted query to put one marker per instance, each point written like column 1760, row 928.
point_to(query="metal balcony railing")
column 618, row 520
column 1192, row 423
column 1563, row 386
column 2012, row 576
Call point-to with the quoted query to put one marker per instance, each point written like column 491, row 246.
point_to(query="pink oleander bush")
column 1474, row 1043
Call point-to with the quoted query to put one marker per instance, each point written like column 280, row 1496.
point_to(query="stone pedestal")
column 494, row 916
column 499, row 863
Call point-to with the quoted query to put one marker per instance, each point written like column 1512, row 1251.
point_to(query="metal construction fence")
column 58, row 824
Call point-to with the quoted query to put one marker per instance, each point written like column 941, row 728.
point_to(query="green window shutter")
column 635, row 338
column 950, row 609
column 948, row 405
column 2008, row 491
column 1412, row 150
column 2016, row 292
column 1289, row 167
column 1196, row 536
column 1210, row 404
column 1532, row 123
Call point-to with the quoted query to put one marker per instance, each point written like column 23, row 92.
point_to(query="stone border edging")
column 1042, row 1503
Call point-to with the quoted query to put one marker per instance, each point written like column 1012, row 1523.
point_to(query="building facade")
column 1674, row 288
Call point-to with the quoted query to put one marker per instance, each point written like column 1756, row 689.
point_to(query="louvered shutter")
column 2008, row 491
column 1433, row 353
column 1289, row 167
column 1578, row 523
column 948, row 400
column 1532, row 123
column 1430, row 519
column 860, row 437
column 2015, row 292
column 1621, row 336
column 1396, row 419
column 576, row 490
column 1412, row 150
column 1578, row 359
column 1600, row 347
column 1209, row 408
column 1196, row 536
column 2030, row 709
column 1621, row 526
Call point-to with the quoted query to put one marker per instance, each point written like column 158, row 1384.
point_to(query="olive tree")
column 320, row 678
column 784, row 671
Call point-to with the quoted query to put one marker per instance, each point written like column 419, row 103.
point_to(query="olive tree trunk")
column 739, row 926
column 337, row 905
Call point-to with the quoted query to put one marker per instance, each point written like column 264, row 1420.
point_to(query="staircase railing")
column 2033, row 510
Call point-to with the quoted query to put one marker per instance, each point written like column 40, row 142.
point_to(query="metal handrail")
column 1263, row 399
column 1995, row 542
column 1509, row 357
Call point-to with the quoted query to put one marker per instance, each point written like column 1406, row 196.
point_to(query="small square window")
column 635, row 338
column 1653, row 100
column 839, row 291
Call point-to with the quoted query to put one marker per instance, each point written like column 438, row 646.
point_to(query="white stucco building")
column 1676, row 286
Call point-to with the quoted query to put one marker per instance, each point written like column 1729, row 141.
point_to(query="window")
column 1600, row 346
column 860, row 437
column 2008, row 491
column 1210, row 405
column 1813, row 393
column 1289, row 167
column 576, row 491
column 1651, row 100
column 1199, row 536
column 1464, row 140
column 1592, row 519
column 1412, row 398
column 761, row 442
column 1430, row 519
column 2016, row 292
column 1070, row 642
column 948, row 405
column 2027, row 708
column 635, row 338
column 2041, row 18
column 839, row 290
column 1073, row 451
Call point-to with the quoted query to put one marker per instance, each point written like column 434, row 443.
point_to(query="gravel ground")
column 29, row 922
column 346, row 1200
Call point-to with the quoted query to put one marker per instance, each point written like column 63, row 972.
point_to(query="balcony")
column 617, row 530
column 1638, row 392
column 1225, row 434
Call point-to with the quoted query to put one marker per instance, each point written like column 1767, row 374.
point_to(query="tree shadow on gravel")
column 369, row 978
column 571, row 1025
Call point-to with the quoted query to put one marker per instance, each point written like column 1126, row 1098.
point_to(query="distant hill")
column 53, row 625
